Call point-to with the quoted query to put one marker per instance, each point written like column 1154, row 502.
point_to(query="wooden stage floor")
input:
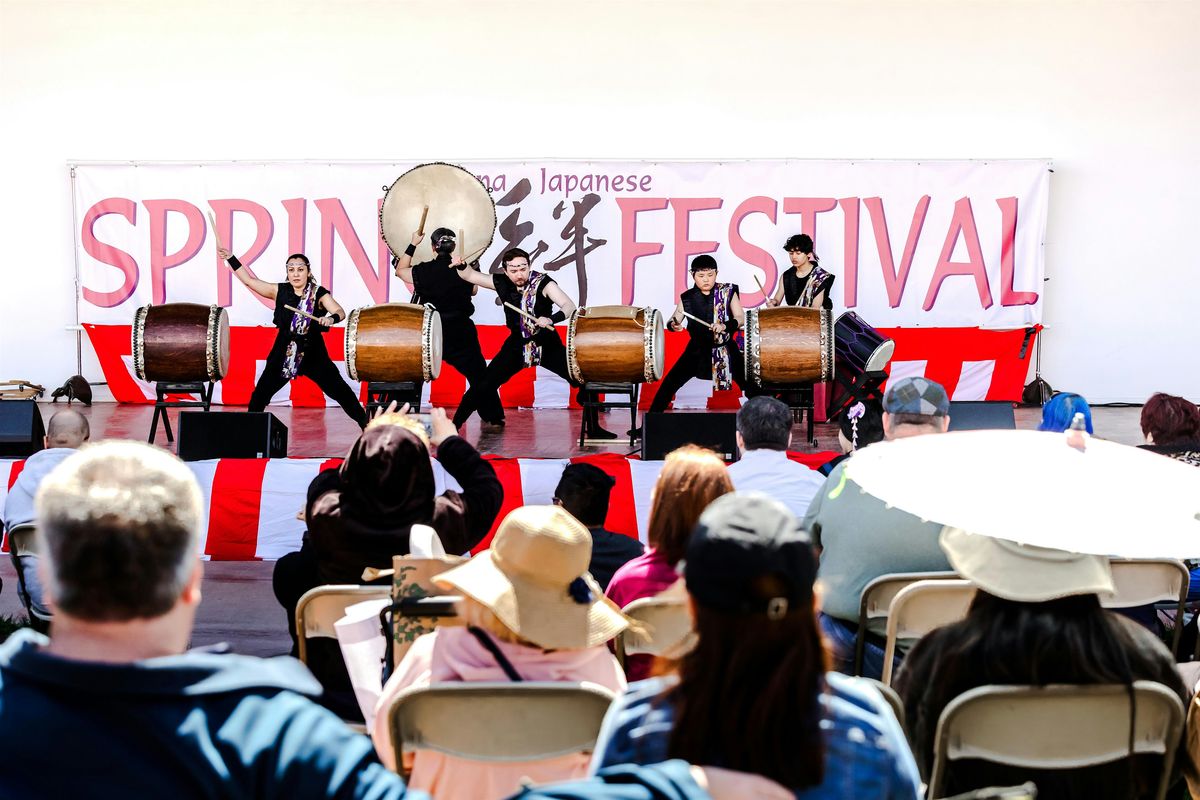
column 239, row 606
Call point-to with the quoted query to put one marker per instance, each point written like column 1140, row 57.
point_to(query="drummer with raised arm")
column 711, row 313
column 303, row 308
column 529, row 298
column 805, row 284
column 436, row 282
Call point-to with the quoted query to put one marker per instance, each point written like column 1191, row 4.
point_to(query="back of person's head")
column 387, row 480
column 119, row 532
column 765, row 423
column 861, row 425
column 748, row 693
column 67, row 428
column 691, row 478
column 1060, row 410
column 583, row 490
column 1168, row 420
column 914, row 407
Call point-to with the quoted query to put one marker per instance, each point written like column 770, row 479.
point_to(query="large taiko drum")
column 438, row 195
column 615, row 344
column 394, row 342
column 180, row 343
column 860, row 347
column 787, row 346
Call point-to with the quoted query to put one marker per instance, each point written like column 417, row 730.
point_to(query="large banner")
column 926, row 251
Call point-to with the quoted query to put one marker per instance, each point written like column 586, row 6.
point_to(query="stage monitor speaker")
column 662, row 433
column 21, row 430
column 979, row 416
column 231, row 434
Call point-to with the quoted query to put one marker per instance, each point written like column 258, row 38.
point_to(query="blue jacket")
column 866, row 753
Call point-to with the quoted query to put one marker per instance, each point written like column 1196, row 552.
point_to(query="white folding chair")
column 892, row 698
column 877, row 598
column 319, row 608
column 921, row 607
column 663, row 627
column 1057, row 727
column 1145, row 581
column 498, row 721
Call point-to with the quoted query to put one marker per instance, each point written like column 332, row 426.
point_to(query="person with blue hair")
column 1061, row 409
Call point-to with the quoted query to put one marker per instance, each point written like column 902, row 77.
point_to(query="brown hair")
column 691, row 478
column 748, row 696
column 1170, row 419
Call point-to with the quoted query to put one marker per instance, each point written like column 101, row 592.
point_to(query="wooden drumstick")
column 212, row 219
column 421, row 227
column 462, row 243
column 525, row 314
column 697, row 319
column 303, row 313
column 760, row 286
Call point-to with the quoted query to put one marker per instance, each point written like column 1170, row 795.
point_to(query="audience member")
column 1171, row 426
column 1059, row 412
column 360, row 516
column 764, row 431
column 67, row 432
column 1036, row 619
column 584, row 490
column 861, row 538
column 859, row 426
column 691, row 478
column 754, row 695
column 532, row 613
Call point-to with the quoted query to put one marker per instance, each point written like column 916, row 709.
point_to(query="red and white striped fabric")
column 250, row 505
column 973, row 364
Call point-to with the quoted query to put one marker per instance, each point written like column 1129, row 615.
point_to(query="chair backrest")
column 876, row 599
column 921, row 607
column 889, row 694
column 499, row 721
column 22, row 540
column 664, row 628
column 1142, row 581
column 1057, row 727
column 412, row 578
column 319, row 608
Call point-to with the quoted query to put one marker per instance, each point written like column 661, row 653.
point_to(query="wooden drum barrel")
column 180, row 343
column 394, row 342
column 615, row 344
column 787, row 346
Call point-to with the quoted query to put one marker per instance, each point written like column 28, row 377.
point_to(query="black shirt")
column 699, row 304
column 438, row 283
column 793, row 287
column 508, row 292
column 282, row 319
column 609, row 551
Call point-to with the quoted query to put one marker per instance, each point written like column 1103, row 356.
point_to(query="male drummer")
column 532, row 340
column 712, row 352
column 436, row 282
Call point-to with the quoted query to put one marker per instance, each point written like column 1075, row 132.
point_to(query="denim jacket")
column 866, row 754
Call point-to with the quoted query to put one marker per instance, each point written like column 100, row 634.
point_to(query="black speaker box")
column 21, row 430
column 231, row 434
column 981, row 415
column 663, row 432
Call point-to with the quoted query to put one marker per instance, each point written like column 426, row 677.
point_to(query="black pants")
column 318, row 367
column 694, row 361
column 461, row 350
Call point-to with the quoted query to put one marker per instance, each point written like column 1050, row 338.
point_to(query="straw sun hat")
column 535, row 580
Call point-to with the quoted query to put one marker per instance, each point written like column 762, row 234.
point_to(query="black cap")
column 703, row 262
column 740, row 539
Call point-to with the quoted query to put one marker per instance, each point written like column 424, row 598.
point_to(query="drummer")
column 805, row 284
column 299, row 348
column 532, row 340
column 712, row 352
column 435, row 283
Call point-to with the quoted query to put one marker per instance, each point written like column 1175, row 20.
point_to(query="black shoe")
column 634, row 433
column 495, row 423
column 596, row 432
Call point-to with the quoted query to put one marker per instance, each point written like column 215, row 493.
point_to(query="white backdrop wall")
column 1106, row 89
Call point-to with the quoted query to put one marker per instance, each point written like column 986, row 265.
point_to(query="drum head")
column 654, row 326
column 456, row 200
column 221, row 350
column 434, row 324
column 882, row 355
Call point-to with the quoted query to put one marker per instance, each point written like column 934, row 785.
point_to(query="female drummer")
column 805, row 284
column 712, row 352
column 299, row 348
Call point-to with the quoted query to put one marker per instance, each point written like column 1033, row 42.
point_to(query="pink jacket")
column 453, row 654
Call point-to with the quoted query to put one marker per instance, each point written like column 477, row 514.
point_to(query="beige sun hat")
column 1022, row 572
column 535, row 580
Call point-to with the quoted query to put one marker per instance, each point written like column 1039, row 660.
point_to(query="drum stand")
column 161, row 404
column 630, row 390
column 381, row 393
column 858, row 387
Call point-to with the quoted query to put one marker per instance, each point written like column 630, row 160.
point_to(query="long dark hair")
column 748, row 693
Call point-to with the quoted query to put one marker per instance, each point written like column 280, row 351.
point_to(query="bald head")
column 67, row 429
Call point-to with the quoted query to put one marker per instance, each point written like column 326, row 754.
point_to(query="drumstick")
column 475, row 255
column 303, row 313
column 462, row 243
column 421, row 227
column 213, row 220
column 697, row 319
column 525, row 314
column 760, row 286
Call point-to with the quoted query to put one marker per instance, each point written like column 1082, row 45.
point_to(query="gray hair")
column 118, row 524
